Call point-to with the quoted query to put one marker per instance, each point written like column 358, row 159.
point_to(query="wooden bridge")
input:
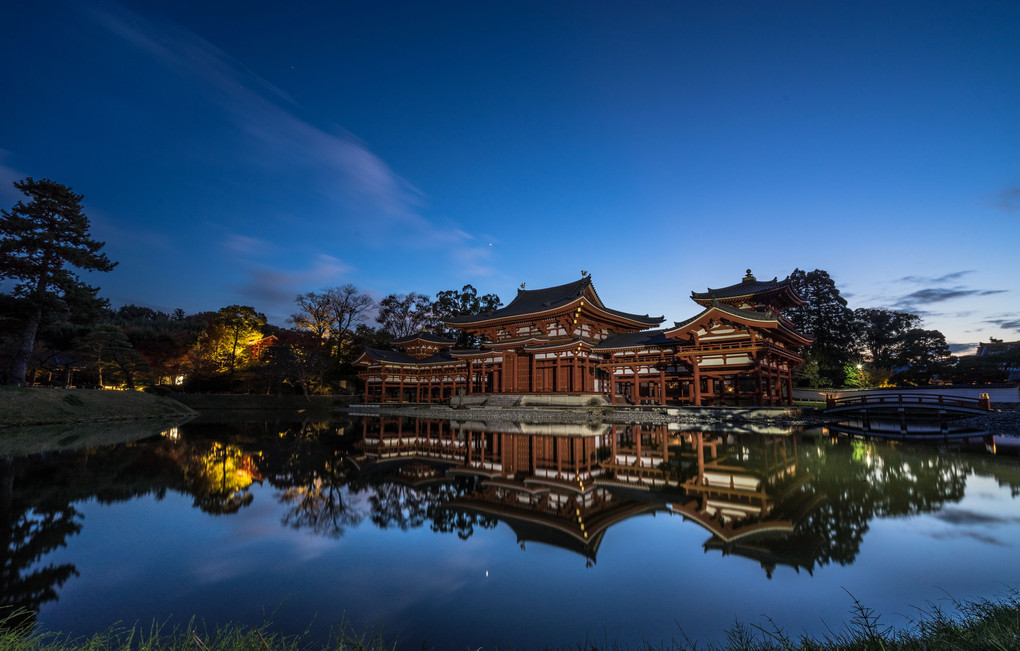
column 906, row 416
column 908, row 402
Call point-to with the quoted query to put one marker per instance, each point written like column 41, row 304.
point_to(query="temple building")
column 564, row 340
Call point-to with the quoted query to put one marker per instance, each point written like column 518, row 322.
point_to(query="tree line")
column 56, row 330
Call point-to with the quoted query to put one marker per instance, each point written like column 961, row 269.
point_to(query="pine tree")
column 41, row 244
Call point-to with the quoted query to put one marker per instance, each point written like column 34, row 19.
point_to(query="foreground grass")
column 985, row 624
column 42, row 406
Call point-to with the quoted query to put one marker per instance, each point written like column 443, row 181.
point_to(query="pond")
column 457, row 535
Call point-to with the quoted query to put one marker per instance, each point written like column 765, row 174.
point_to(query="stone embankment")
column 1004, row 419
column 691, row 418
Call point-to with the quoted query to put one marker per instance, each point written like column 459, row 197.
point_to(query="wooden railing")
column 908, row 399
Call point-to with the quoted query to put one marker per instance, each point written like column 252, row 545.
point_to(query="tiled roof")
column 745, row 288
column 530, row 301
column 748, row 315
column 634, row 340
column 748, row 286
column 424, row 336
column 996, row 347
column 399, row 357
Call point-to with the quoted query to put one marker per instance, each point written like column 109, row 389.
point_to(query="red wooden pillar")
column 509, row 371
column 662, row 384
column 696, row 394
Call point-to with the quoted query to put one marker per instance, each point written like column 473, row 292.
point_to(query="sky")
column 246, row 152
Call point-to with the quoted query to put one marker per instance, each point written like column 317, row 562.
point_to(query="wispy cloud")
column 1008, row 200
column 376, row 202
column 940, row 294
column 939, row 289
column 965, row 348
column 246, row 245
column 928, row 280
column 274, row 290
column 1006, row 322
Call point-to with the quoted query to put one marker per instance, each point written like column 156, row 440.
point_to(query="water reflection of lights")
column 173, row 434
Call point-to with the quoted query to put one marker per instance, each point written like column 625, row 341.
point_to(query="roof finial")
column 522, row 285
column 583, row 273
column 749, row 278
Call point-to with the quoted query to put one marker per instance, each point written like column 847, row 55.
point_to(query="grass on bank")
column 985, row 624
column 43, row 406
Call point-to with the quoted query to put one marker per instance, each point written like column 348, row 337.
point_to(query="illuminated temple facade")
column 739, row 350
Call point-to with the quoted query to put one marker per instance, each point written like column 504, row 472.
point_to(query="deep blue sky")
column 244, row 152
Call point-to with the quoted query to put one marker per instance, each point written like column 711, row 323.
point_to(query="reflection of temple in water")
column 559, row 484
column 567, row 484
column 751, row 496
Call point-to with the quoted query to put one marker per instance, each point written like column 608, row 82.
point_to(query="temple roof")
column 400, row 357
column 750, row 286
column 634, row 340
column 530, row 301
column 427, row 337
column 781, row 323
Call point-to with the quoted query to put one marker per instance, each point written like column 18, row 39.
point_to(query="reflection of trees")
column 395, row 505
column 864, row 480
column 219, row 476
column 29, row 529
column 309, row 466
column 322, row 506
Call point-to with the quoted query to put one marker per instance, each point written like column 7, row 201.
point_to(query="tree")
column 405, row 314
column 315, row 315
column 825, row 317
column 451, row 304
column 880, row 333
column 333, row 315
column 109, row 347
column 924, row 356
column 231, row 331
column 41, row 244
column 164, row 340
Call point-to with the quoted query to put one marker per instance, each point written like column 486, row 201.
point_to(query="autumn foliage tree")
column 42, row 244
column 232, row 331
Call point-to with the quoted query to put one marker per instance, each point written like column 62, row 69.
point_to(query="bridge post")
column 985, row 402
column 830, row 401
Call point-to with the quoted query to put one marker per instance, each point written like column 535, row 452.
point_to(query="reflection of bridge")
column 908, row 402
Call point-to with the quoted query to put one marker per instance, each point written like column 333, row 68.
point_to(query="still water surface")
column 467, row 535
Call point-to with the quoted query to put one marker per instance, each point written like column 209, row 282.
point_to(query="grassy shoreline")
column 983, row 624
column 27, row 406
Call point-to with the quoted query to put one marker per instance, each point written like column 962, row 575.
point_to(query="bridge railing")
column 906, row 399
